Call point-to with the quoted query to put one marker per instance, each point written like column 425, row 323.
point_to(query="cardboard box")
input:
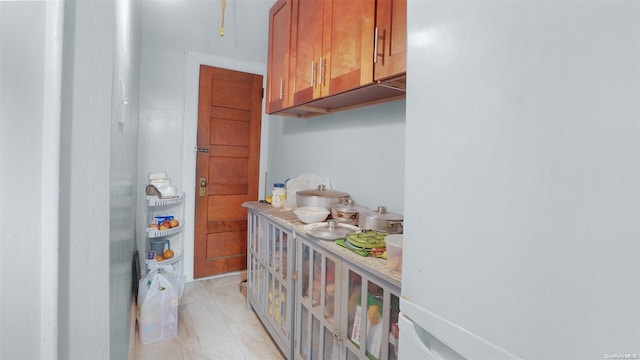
column 243, row 288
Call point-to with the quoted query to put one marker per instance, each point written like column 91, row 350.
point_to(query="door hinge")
column 201, row 150
column 262, row 93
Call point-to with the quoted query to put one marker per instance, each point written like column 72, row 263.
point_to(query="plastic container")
column 160, row 182
column 159, row 245
column 168, row 192
column 289, row 204
column 157, row 175
column 394, row 252
column 278, row 195
column 311, row 214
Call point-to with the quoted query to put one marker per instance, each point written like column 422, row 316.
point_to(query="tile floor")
column 214, row 323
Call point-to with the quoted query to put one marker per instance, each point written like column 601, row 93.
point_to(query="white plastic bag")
column 158, row 298
column 305, row 182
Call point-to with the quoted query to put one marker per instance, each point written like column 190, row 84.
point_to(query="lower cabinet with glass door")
column 342, row 310
column 269, row 277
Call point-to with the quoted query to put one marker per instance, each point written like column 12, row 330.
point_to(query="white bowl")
column 311, row 214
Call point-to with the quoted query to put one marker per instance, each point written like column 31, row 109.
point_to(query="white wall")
column 22, row 165
column 123, row 168
column 85, row 178
column 193, row 25
column 360, row 150
column 66, row 276
column 98, row 176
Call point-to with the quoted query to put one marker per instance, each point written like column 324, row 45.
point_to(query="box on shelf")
column 160, row 219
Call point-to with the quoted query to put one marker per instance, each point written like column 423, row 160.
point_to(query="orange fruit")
column 168, row 254
column 159, row 258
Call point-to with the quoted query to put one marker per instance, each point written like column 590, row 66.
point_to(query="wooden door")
column 391, row 22
column 229, row 113
column 278, row 86
column 348, row 45
column 306, row 49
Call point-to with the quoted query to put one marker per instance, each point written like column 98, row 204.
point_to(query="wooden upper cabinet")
column 306, row 49
column 391, row 43
column 349, row 44
column 279, row 90
column 332, row 47
column 341, row 54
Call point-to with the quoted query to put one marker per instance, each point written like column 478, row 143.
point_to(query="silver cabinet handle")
column 321, row 77
column 281, row 88
column 375, row 46
column 320, row 71
column 312, row 74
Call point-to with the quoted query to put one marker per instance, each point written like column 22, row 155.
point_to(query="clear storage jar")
column 278, row 195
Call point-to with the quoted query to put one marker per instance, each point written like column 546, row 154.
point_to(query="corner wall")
column 85, row 179
column 23, row 324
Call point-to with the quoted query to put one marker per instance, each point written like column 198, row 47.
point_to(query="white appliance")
column 522, row 205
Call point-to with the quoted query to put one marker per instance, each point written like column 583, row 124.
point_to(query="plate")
column 322, row 231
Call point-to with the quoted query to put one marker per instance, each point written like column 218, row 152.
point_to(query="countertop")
column 288, row 220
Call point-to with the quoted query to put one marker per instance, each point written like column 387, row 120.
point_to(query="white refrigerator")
column 522, row 183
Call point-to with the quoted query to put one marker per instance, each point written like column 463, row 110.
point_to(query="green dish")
column 367, row 239
column 355, row 250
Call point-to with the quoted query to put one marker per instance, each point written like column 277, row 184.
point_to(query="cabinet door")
column 306, row 49
column 317, row 303
column 348, row 45
column 332, row 47
column 277, row 282
column 370, row 318
column 278, row 97
column 392, row 327
column 255, row 269
column 391, row 42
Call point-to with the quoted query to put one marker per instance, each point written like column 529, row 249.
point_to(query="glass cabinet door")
column 255, row 270
column 277, row 257
column 317, row 303
column 354, row 321
column 269, row 276
column 370, row 318
column 393, row 330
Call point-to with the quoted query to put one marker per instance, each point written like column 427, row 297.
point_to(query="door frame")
column 193, row 60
